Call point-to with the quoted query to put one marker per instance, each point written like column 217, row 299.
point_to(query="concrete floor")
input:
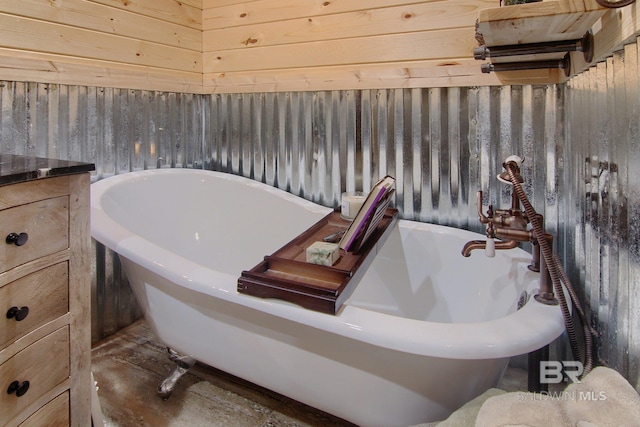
column 129, row 365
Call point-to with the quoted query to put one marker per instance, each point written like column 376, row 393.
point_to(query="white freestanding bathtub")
column 425, row 331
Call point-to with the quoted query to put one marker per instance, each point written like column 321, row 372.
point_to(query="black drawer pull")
column 17, row 239
column 19, row 388
column 18, row 313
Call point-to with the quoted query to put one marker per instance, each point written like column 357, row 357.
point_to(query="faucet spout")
column 472, row 245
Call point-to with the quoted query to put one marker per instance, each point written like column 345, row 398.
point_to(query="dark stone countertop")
column 15, row 169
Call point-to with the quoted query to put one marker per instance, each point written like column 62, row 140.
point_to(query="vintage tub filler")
column 425, row 331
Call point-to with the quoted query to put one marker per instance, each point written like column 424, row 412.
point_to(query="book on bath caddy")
column 369, row 215
column 363, row 225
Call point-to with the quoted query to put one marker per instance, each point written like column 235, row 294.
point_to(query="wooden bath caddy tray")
column 286, row 274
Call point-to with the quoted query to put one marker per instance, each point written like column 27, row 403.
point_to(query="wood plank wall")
column 217, row 46
column 142, row 44
column 236, row 46
column 276, row 45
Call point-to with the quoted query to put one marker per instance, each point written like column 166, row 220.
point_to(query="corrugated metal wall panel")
column 603, row 135
column 579, row 141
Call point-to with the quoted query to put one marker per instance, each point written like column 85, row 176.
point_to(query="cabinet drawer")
column 42, row 295
column 44, row 364
column 53, row 414
column 46, row 223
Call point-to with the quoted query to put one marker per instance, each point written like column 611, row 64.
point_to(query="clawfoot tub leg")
column 183, row 364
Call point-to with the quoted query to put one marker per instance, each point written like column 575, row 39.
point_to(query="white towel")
column 603, row 398
column 521, row 409
column 466, row 415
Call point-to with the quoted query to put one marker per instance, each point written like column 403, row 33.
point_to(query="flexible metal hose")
column 589, row 333
column 557, row 277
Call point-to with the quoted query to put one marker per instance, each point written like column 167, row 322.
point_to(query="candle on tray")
column 351, row 202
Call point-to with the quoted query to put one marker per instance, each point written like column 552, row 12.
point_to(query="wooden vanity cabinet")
column 45, row 330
